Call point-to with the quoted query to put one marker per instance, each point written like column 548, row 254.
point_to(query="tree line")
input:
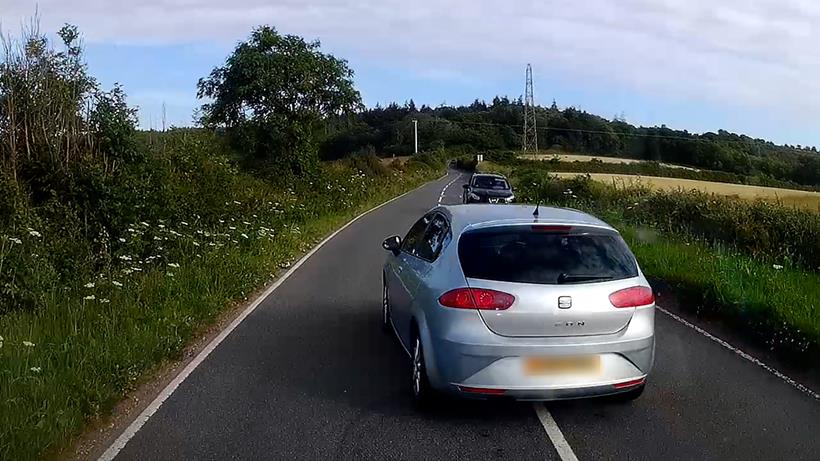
column 499, row 124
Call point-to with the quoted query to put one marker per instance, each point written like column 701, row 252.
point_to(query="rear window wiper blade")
column 569, row 278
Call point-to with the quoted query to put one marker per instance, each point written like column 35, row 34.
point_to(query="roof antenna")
column 535, row 213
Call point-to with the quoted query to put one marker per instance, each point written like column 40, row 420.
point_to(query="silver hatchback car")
column 493, row 300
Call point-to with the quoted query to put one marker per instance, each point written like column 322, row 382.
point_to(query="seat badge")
column 564, row 302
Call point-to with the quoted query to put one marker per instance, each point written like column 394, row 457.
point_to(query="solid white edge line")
column 114, row 449
column 746, row 356
column 441, row 196
column 556, row 436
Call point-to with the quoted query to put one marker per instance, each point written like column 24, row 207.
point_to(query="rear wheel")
column 419, row 384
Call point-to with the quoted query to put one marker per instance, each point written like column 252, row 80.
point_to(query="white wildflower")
column 244, row 236
column 34, row 233
column 145, row 224
column 183, row 223
column 89, row 285
column 777, row 266
column 90, row 298
column 136, row 269
column 105, row 300
column 246, row 223
column 127, row 271
column 157, row 237
column 212, row 244
column 116, row 283
column 162, row 226
column 196, row 244
column 122, row 240
column 231, row 228
column 237, row 202
column 28, row 343
column 174, row 265
column 15, row 240
column 221, row 221
column 125, row 257
column 170, row 274
column 234, row 241
column 36, row 369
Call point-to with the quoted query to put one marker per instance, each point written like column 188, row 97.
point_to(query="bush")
column 760, row 229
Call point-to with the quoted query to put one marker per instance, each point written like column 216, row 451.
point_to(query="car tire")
column 422, row 392
column 631, row 394
column 385, row 308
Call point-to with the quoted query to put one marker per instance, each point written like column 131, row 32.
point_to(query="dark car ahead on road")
column 488, row 188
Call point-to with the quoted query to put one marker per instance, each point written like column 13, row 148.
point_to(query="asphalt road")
column 310, row 375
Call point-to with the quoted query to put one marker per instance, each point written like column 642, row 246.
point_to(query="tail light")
column 482, row 390
column 630, row 383
column 476, row 298
column 632, row 297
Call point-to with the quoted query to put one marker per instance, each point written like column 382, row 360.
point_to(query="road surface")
column 310, row 375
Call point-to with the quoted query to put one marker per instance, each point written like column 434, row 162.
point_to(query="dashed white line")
column 444, row 190
column 746, row 356
column 114, row 449
column 556, row 436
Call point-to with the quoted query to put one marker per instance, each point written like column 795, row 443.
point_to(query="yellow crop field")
column 549, row 155
column 797, row 198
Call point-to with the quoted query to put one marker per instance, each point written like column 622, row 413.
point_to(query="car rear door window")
column 435, row 238
column 527, row 255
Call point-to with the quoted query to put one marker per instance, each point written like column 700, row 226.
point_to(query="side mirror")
column 392, row 244
column 466, row 186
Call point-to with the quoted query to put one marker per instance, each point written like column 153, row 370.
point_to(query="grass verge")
column 74, row 356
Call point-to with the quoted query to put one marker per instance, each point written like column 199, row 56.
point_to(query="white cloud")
column 744, row 53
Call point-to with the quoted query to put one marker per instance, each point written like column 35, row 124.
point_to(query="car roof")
column 464, row 217
column 489, row 175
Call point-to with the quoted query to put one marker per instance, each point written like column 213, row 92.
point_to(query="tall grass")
column 90, row 335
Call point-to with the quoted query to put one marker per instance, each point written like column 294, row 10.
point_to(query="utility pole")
column 530, row 130
column 416, row 136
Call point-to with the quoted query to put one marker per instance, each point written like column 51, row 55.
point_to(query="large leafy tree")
column 274, row 92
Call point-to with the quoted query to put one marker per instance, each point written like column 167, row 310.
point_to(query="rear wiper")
column 569, row 278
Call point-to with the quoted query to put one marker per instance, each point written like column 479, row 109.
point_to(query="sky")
column 748, row 66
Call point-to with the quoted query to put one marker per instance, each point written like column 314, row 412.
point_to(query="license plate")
column 493, row 200
column 562, row 365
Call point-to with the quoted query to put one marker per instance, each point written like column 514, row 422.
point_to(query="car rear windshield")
column 528, row 255
column 489, row 182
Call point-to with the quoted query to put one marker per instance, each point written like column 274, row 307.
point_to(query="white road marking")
column 152, row 408
column 746, row 356
column 441, row 197
column 554, row 433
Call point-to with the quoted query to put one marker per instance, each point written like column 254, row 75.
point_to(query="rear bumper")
column 490, row 361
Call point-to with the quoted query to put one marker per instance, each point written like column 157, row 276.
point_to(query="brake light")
column 482, row 390
column 476, row 298
column 631, row 383
column 632, row 297
column 549, row 228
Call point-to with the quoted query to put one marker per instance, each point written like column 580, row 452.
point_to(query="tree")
column 273, row 93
